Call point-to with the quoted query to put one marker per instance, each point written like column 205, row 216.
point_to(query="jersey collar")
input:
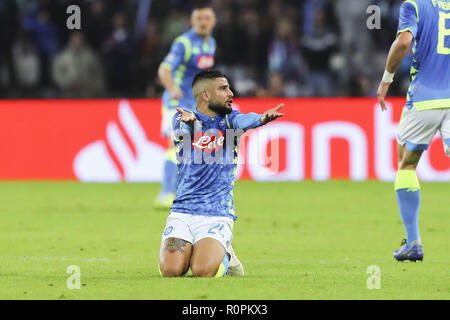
column 195, row 34
column 204, row 117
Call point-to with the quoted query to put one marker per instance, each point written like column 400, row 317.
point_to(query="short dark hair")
column 208, row 74
column 201, row 4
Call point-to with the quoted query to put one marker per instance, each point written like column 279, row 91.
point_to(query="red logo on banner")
column 125, row 154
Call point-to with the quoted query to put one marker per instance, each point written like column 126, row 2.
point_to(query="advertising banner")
column 120, row 140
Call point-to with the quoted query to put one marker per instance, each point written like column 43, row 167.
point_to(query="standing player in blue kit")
column 190, row 53
column 426, row 25
column 198, row 231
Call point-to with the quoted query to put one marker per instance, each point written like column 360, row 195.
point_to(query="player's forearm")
column 247, row 121
column 397, row 53
column 165, row 76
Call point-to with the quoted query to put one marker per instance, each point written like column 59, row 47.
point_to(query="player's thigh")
column 207, row 256
column 212, row 235
column 176, row 246
column 174, row 257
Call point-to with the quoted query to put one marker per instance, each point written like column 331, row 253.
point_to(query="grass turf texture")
column 305, row 240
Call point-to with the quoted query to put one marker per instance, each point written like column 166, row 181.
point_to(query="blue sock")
column 169, row 181
column 408, row 199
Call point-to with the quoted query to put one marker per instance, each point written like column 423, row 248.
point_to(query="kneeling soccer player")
column 198, row 232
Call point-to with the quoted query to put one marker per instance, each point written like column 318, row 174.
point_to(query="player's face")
column 203, row 21
column 221, row 97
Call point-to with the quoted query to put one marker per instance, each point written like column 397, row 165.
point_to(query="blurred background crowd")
column 266, row 47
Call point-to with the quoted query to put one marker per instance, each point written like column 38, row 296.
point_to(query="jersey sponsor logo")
column 209, row 142
column 205, row 61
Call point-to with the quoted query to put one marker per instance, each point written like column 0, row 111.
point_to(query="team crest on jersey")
column 168, row 230
column 209, row 142
column 205, row 61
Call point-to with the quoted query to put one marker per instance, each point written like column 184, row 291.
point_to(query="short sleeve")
column 409, row 18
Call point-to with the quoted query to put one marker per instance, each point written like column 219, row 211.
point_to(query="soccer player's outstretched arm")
column 272, row 114
column 253, row 120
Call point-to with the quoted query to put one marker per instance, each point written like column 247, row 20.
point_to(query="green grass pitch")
column 305, row 240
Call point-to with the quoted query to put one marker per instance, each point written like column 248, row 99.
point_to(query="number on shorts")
column 219, row 228
column 443, row 32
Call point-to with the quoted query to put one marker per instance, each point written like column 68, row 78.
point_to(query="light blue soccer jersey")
column 188, row 55
column 206, row 178
column 429, row 23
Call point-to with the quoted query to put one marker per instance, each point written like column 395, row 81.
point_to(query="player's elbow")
column 404, row 41
column 163, row 71
column 403, row 45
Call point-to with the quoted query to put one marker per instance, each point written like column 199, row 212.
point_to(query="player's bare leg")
column 174, row 257
column 408, row 160
column 207, row 257
column 408, row 197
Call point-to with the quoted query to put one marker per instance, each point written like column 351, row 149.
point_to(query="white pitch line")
column 103, row 259
column 340, row 261
column 92, row 259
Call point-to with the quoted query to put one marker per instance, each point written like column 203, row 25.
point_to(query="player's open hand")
column 187, row 117
column 381, row 94
column 272, row 114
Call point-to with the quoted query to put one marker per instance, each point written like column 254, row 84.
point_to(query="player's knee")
column 203, row 271
column 171, row 270
column 407, row 166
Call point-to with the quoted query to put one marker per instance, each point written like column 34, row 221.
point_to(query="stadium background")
column 268, row 48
